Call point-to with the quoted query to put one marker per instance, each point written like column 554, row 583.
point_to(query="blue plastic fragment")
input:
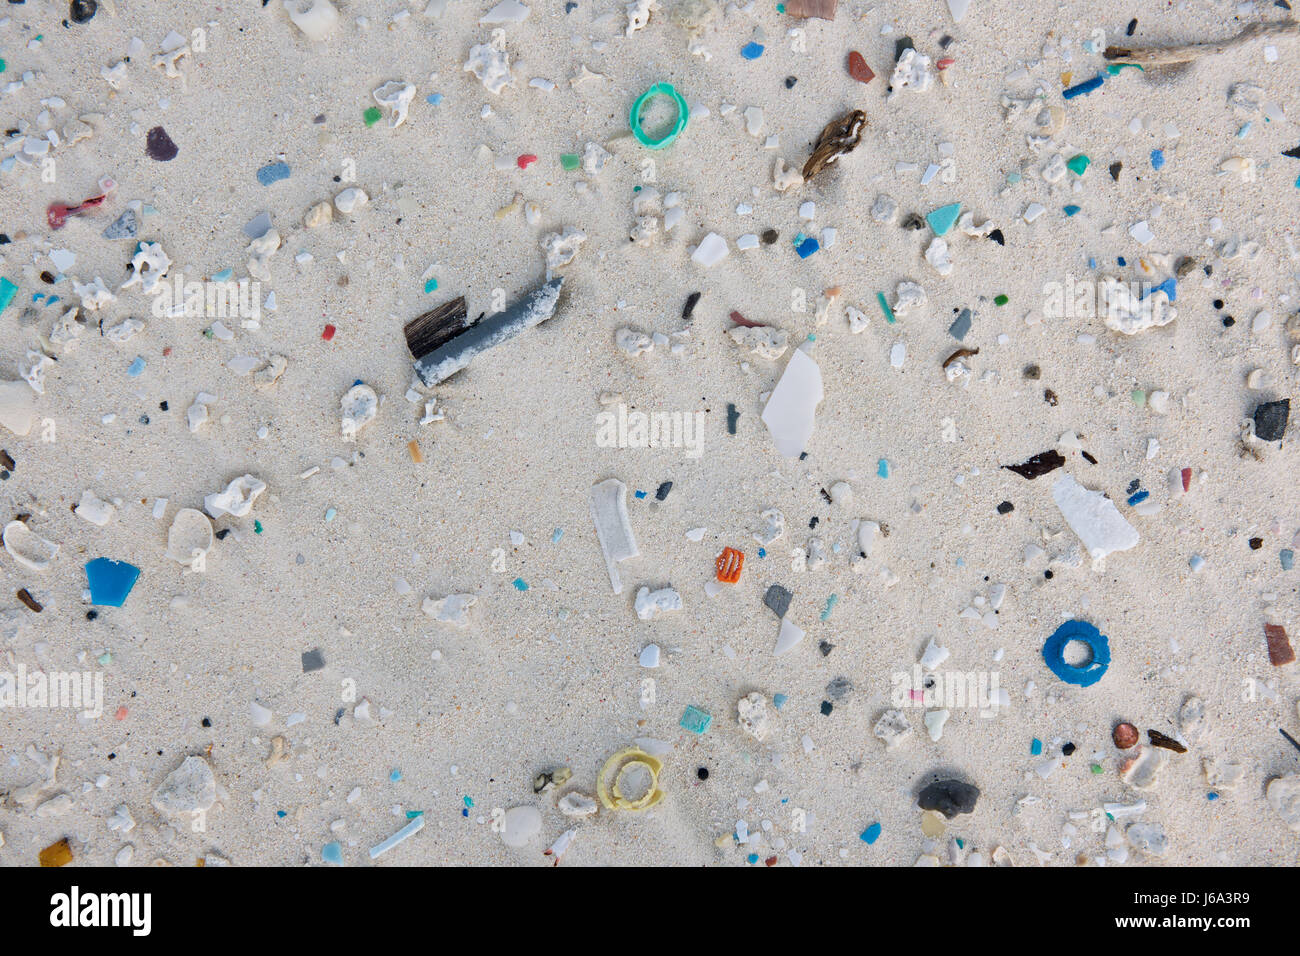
column 1138, row 497
column 871, row 834
column 639, row 494
column 1157, row 159
column 136, row 367
column 110, row 581
column 1071, row 210
column 960, row 325
column 556, row 535
column 762, row 552
column 332, row 853
column 778, row 700
column 225, row 275
column 1121, row 260
column 1089, row 673
column 696, row 720
column 1084, row 88
column 1287, row 557
column 751, row 51
column 395, row 776
column 520, row 584
column 882, row 469
column 272, row 173
column 807, row 247
column 7, row 292
column 1092, row 263
column 433, row 99
column 1035, row 747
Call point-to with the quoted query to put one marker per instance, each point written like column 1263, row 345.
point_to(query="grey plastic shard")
column 609, row 512
column 790, row 412
column 458, row 351
column 1094, row 518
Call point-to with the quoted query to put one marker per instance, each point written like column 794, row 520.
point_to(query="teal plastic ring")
column 683, row 114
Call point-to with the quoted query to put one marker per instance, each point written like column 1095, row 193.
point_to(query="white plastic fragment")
column 711, row 250
column 791, row 410
column 608, row 501
column 94, row 510
column 315, row 18
column 190, row 538
column 1094, row 518
column 350, row 199
column 788, row 637
column 507, row 11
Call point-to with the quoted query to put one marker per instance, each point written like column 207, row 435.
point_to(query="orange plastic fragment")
column 413, row 447
column 56, row 854
column 729, row 563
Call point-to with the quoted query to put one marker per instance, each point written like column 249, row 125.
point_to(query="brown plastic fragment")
column 858, row 68
column 1125, row 735
column 839, row 136
column 413, row 447
column 56, row 854
column 25, row 596
column 741, row 320
column 821, row 9
column 1040, row 464
column 1280, row 650
column 1168, row 743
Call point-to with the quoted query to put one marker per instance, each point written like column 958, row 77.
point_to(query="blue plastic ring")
column 1054, row 653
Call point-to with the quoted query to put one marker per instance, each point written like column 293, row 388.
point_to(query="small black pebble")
column 4, row 239
column 1256, row 543
column 1218, row 303
column 1006, row 508
column 702, row 773
column 207, row 721
column 1068, row 749
column 945, row 41
column 1229, row 321
column 144, row 419
column 83, row 11
column 1033, row 372
column 1088, row 458
column 91, row 615
column 221, row 535
column 901, row 45
column 1048, row 574
column 570, row 7
column 662, row 491
column 827, row 707
column 163, row 406
column 913, row 222
column 1114, row 170
column 826, row 647
column 790, row 81
column 996, row 236
column 4, row 476
column 769, row 236
column 1049, row 397
column 47, row 278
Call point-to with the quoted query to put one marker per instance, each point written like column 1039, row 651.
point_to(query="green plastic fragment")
column 1000, row 300
column 257, row 527
column 696, row 720
column 884, row 307
column 1078, row 164
column 430, row 286
column 1095, row 768
column 1139, row 397
column 943, row 218
column 570, row 160
column 372, row 115
column 1114, row 68
column 7, row 292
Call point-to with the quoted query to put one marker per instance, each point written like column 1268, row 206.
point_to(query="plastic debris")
column 629, row 781
column 1094, row 518
column 790, row 413
column 1097, row 662
column 609, row 513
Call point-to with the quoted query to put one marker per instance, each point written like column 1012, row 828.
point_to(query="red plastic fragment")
column 526, row 160
column 741, row 320
column 944, row 63
column 328, row 334
column 1280, row 650
column 57, row 213
column 858, row 68
column 1187, row 480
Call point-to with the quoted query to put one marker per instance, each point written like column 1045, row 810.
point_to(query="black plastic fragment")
column 778, row 599
column 733, row 416
column 1040, row 464
column 662, row 491
column 691, row 301
column 1271, row 419
column 949, row 797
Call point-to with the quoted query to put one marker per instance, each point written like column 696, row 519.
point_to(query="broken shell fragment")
column 838, row 137
column 395, row 96
column 237, row 500
column 27, row 547
column 350, row 199
column 491, row 64
column 190, row 537
column 17, row 407
column 650, row 604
